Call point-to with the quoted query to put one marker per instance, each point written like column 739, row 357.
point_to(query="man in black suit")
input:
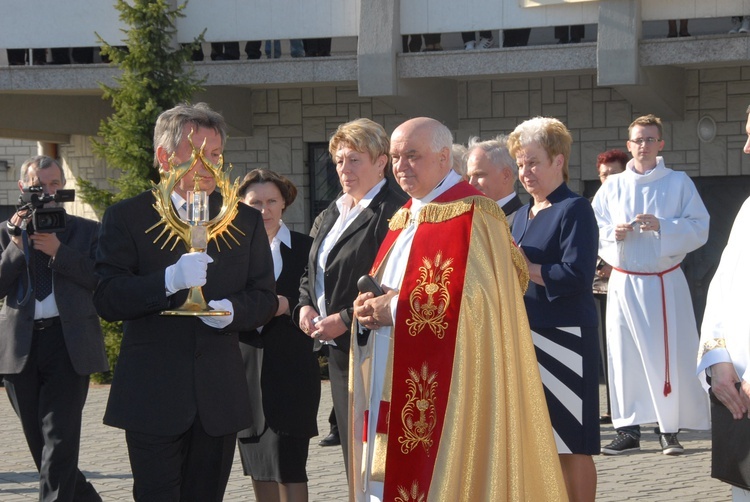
column 50, row 338
column 493, row 171
column 179, row 389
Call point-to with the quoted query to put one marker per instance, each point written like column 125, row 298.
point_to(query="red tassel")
column 667, row 388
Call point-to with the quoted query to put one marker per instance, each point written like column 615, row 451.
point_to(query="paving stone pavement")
column 644, row 476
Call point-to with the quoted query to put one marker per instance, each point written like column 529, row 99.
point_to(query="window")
column 324, row 182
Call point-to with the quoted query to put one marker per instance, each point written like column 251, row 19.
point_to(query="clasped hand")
column 324, row 329
column 372, row 311
column 723, row 380
column 646, row 222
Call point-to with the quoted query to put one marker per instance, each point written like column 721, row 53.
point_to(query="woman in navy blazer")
column 282, row 370
column 347, row 236
column 559, row 237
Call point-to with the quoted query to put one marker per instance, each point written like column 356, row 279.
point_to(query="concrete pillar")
column 46, row 148
column 619, row 34
column 379, row 41
column 657, row 90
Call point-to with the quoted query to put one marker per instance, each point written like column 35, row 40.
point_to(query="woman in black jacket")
column 282, row 370
column 347, row 236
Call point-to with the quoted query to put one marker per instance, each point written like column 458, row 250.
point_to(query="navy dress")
column 563, row 238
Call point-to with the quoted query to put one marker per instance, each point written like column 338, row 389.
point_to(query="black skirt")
column 274, row 457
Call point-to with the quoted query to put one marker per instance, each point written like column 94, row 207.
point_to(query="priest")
column 447, row 401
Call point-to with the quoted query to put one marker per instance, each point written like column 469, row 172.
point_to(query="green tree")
column 156, row 75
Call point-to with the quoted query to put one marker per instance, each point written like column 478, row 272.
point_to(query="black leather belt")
column 42, row 324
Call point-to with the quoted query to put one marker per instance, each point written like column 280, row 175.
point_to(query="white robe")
column 635, row 327
column 726, row 315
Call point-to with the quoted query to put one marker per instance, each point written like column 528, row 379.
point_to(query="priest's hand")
column 372, row 311
column 723, row 380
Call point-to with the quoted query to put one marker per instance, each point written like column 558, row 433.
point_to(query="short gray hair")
column 496, row 150
column 171, row 123
column 459, row 158
column 442, row 138
column 39, row 162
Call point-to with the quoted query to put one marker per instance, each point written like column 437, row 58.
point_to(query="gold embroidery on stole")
column 418, row 416
column 429, row 300
column 413, row 495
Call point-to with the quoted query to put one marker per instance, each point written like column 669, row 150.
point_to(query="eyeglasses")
column 641, row 141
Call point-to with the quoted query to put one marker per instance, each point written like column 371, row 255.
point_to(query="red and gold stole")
column 424, row 341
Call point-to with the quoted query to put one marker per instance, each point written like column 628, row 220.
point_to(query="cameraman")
column 50, row 337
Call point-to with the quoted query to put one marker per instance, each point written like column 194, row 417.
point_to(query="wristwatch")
column 13, row 230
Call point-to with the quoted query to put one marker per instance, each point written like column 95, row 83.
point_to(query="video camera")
column 43, row 219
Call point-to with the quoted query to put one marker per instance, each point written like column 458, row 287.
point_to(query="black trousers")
column 516, row 37
column 567, row 33
column 338, row 370
column 48, row 396
column 225, row 51
column 188, row 467
column 317, row 47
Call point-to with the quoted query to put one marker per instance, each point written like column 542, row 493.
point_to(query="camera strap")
column 24, row 297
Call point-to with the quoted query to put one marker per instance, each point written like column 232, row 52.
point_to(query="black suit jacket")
column 74, row 280
column 351, row 257
column 172, row 368
column 512, row 205
column 286, row 383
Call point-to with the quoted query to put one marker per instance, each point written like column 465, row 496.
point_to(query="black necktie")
column 42, row 276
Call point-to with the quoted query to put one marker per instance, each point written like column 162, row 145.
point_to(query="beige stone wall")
column 286, row 120
column 14, row 151
column 79, row 161
column 599, row 117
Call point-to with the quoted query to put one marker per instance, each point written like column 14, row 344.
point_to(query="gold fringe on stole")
column 399, row 220
column 436, row 212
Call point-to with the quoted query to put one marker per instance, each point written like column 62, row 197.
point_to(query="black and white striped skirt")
column 568, row 362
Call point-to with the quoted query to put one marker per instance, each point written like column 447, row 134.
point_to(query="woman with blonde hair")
column 346, row 238
column 558, row 235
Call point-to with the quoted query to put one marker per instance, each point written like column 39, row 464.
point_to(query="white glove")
column 189, row 271
column 219, row 321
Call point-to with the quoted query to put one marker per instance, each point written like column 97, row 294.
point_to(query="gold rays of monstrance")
column 198, row 230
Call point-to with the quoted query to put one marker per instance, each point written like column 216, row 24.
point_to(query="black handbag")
column 730, row 451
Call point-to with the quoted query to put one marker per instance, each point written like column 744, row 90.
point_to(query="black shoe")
column 670, row 445
column 605, row 419
column 623, row 443
column 332, row 439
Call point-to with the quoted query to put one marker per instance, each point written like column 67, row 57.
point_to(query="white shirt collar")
column 345, row 202
column 178, row 202
column 631, row 166
column 451, row 179
column 283, row 236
